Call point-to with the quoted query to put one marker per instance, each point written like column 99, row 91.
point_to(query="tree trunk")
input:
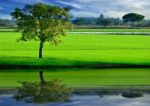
column 41, row 56
column 41, row 77
column 41, row 49
column 133, row 25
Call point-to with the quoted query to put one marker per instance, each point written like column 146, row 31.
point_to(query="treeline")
column 103, row 21
column 130, row 20
column 6, row 23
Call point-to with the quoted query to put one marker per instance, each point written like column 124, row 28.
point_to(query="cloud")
column 84, row 14
column 5, row 16
column 89, row 8
column 28, row 1
column 113, row 8
column 70, row 4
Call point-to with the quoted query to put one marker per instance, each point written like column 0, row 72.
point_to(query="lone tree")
column 132, row 18
column 103, row 21
column 43, row 22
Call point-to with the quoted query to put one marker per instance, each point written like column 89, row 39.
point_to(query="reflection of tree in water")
column 102, row 93
column 38, row 92
column 132, row 94
column 107, row 93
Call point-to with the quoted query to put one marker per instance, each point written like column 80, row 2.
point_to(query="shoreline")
column 115, row 88
column 89, row 66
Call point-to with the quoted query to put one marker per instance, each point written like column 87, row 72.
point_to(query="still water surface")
column 84, row 100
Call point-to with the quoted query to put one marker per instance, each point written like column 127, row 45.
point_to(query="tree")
column 132, row 17
column 103, row 21
column 43, row 22
column 5, row 23
column 84, row 21
column 101, row 16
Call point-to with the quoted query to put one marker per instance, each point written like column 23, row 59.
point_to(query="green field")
column 76, row 50
column 80, row 77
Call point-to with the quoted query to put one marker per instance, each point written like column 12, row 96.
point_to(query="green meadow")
column 77, row 50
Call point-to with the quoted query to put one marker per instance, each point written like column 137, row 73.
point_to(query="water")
column 137, row 78
column 84, row 100
column 115, row 33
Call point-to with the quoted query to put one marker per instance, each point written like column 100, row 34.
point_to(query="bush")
column 50, row 91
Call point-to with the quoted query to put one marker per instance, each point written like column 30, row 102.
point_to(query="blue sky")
column 82, row 8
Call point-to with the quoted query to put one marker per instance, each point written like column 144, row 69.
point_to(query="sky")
column 85, row 8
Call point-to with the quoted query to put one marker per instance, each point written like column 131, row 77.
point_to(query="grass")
column 76, row 50
column 80, row 77
column 7, row 30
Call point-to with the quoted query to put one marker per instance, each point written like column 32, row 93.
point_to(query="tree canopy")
column 133, row 17
column 42, row 21
column 101, row 20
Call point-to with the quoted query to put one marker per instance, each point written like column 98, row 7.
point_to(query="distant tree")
column 101, row 16
column 84, row 21
column 146, row 23
column 7, row 23
column 132, row 18
column 116, row 21
column 104, row 21
column 80, row 21
column 43, row 22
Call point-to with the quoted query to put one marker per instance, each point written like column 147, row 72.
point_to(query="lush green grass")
column 76, row 50
column 111, row 30
column 80, row 77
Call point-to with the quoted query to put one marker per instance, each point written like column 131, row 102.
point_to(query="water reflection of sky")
column 85, row 100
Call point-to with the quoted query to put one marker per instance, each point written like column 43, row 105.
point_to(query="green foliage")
column 133, row 17
column 84, row 21
column 101, row 20
column 50, row 91
column 41, row 21
column 104, row 21
column 90, row 21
